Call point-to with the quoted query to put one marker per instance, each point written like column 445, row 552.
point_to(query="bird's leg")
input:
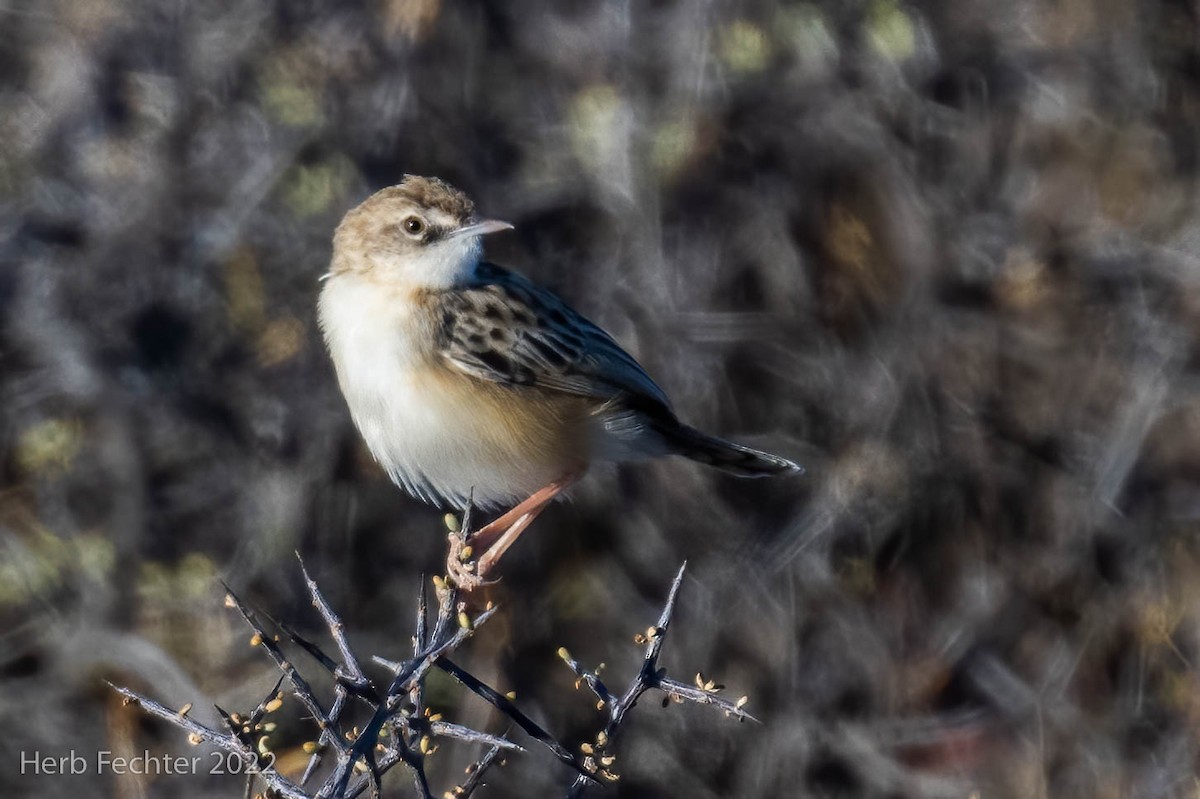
column 490, row 542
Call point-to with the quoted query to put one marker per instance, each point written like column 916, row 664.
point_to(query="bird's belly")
column 447, row 437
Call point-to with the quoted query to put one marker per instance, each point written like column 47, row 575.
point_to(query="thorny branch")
column 598, row 759
column 401, row 728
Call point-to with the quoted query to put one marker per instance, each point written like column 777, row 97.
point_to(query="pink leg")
column 494, row 539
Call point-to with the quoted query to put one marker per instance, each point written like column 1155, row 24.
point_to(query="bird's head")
column 422, row 232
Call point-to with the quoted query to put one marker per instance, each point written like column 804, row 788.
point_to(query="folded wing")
column 507, row 330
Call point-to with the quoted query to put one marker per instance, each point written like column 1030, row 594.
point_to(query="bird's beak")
column 481, row 228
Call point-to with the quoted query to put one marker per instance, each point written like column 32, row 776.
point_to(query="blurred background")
column 946, row 254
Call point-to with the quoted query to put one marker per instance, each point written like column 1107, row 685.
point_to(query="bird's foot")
column 463, row 567
column 473, row 554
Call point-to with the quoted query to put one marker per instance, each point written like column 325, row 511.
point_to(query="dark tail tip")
column 730, row 457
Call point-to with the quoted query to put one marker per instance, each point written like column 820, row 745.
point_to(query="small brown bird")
column 471, row 383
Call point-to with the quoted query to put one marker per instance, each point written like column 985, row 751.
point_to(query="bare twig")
column 598, row 760
column 300, row 687
column 475, row 774
column 352, row 671
column 508, row 708
column 229, row 741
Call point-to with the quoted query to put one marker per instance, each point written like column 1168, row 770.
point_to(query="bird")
column 473, row 386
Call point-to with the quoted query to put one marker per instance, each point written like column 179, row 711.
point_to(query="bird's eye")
column 414, row 226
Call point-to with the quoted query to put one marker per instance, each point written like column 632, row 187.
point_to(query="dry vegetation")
column 946, row 254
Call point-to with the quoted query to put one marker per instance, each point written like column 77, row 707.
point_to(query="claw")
column 462, row 568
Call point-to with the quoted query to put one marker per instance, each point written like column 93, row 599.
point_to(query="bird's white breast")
column 428, row 437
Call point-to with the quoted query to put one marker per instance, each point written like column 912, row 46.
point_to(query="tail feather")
column 727, row 456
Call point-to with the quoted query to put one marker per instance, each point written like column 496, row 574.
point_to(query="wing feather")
column 505, row 329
